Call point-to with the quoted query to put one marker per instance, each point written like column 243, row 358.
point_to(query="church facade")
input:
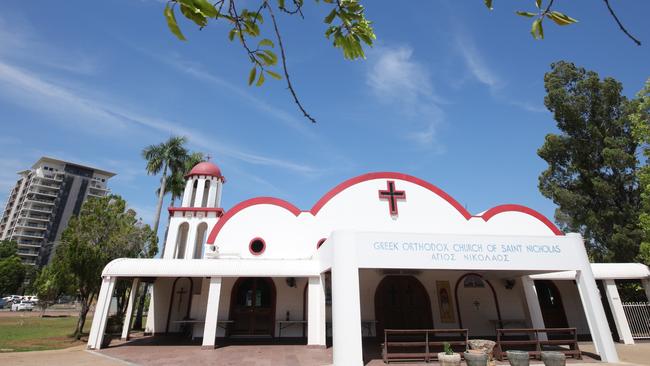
column 379, row 251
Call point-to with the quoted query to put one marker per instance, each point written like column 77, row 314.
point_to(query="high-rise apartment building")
column 41, row 203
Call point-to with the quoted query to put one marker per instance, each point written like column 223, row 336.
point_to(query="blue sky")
column 451, row 93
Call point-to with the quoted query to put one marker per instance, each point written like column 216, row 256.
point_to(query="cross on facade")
column 392, row 196
column 180, row 292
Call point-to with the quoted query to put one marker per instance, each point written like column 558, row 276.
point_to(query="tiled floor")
column 162, row 351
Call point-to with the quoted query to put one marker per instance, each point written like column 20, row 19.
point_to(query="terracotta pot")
column 553, row 358
column 449, row 360
column 474, row 358
column 518, row 358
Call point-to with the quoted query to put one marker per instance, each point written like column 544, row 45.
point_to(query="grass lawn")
column 32, row 333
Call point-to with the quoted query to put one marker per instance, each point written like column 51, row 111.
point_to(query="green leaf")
column 330, row 17
column 538, row 4
column 171, row 22
column 260, row 81
column 266, row 42
column 560, row 18
column 206, row 8
column 194, row 16
column 233, row 32
column 488, row 3
column 281, row 4
column 251, row 76
column 525, row 14
column 274, row 75
column 537, row 30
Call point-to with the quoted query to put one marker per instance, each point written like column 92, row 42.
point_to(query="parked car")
column 22, row 306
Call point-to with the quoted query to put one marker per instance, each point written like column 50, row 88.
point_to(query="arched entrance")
column 479, row 311
column 180, row 303
column 401, row 302
column 252, row 307
column 550, row 301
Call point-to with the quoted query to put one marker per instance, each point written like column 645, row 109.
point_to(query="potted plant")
column 551, row 358
column 448, row 357
column 518, row 358
column 484, row 345
column 476, row 357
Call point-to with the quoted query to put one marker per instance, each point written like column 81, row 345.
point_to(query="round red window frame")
column 320, row 242
column 250, row 246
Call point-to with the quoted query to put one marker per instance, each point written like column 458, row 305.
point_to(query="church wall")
column 161, row 297
column 511, row 302
column 573, row 309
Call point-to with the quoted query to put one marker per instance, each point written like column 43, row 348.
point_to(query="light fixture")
column 291, row 281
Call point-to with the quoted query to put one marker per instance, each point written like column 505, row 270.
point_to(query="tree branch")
column 284, row 67
column 620, row 25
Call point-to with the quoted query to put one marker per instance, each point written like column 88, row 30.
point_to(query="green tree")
column 592, row 163
column 167, row 158
column 50, row 283
column 104, row 230
column 175, row 185
column 12, row 269
column 641, row 129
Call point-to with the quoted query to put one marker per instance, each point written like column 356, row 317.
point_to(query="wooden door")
column 253, row 307
column 401, row 302
column 551, row 303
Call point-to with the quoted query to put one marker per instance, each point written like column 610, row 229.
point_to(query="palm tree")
column 169, row 158
column 176, row 182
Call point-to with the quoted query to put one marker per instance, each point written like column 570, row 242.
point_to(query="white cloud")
column 476, row 63
column 20, row 42
column 398, row 79
column 34, row 92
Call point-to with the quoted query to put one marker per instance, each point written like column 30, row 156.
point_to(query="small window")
column 257, row 246
column 473, row 281
column 320, row 242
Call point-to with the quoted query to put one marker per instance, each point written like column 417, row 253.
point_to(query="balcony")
column 28, row 244
column 47, row 193
column 29, row 234
column 34, row 199
column 35, row 217
column 38, row 209
column 28, row 253
column 31, row 226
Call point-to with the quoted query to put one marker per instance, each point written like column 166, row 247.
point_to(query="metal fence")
column 638, row 316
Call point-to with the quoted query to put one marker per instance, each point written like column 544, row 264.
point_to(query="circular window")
column 320, row 242
column 257, row 246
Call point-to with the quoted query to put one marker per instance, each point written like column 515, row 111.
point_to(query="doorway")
column 252, row 307
column 402, row 302
column 551, row 303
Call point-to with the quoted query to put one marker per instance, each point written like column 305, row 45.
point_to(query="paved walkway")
column 144, row 353
column 74, row 356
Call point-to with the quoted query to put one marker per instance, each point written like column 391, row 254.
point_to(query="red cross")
column 392, row 196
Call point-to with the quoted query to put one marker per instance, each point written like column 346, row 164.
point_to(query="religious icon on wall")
column 445, row 302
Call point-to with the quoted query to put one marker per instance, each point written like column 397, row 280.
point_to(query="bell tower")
column 199, row 211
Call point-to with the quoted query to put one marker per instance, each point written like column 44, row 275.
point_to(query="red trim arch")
column 487, row 215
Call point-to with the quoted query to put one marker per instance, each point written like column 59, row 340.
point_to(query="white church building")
column 379, row 251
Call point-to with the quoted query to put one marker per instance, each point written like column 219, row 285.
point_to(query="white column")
column 100, row 316
column 200, row 189
column 346, row 306
column 616, row 306
column 212, row 313
column 187, row 193
column 316, row 312
column 598, row 327
column 535, row 311
column 150, row 326
column 191, row 240
column 646, row 286
column 172, row 238
column 219, row 191
column 129, row 309
column 212, row 192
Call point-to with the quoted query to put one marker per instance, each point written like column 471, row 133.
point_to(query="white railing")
column 638, row 316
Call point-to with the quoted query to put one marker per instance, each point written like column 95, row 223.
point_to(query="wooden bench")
column 534, row 345
column 419, row 344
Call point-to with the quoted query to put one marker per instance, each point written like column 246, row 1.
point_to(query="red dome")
column 205, row 168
